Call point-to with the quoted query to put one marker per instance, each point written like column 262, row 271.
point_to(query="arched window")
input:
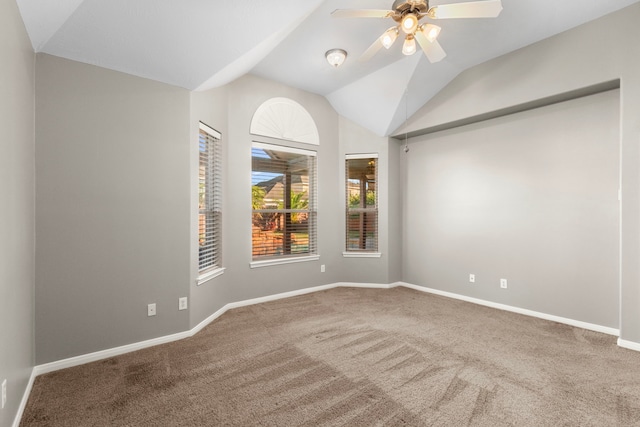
column 284, row 118
column 283, row 184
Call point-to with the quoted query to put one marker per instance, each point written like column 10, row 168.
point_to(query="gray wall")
column 229, row 110
column 531, row 197
column 116, row 162
column 210, row 107
column 112, row 208
column 17, row 207
column 395, row 214
column 578, row 58
column 115, row 186
column 355, row 140
column 116, row 212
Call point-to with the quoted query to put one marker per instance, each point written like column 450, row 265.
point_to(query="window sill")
column 209, row 275
column 361, row 254
column 269, row 262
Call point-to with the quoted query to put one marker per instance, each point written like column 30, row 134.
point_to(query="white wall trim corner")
column 630, row 345
column 25, row 399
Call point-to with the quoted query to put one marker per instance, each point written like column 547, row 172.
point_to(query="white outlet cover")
column 472, row 278
column 151, row 309
column 503, row 283
column 183, row 303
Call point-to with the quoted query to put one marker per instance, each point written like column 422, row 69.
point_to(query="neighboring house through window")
column 283, row 198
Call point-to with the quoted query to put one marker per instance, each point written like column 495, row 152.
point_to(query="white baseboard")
column 25, row 398
column 259, row 300
column 571, row 322
column 275, row 297
column 116, row 351
column 105, row 354
column 631, row 345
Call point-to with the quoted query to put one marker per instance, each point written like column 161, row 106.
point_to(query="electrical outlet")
column 322, row 269
column 472, row 278
column 182, row 303
column 503, row 283
column 151, row 309
column 4, row 393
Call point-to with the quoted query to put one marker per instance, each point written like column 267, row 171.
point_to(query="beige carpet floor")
column 355, row 357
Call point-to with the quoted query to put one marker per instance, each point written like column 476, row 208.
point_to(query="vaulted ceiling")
column 201, row 44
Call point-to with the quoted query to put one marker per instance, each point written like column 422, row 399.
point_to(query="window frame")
column 311, row 211
column 359, row 252
column 212, row 201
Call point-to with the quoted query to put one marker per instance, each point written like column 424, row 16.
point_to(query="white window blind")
column 209, row 200
column 284, row 204
column 361, row 202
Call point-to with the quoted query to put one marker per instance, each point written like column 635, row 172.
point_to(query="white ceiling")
column 201, row 44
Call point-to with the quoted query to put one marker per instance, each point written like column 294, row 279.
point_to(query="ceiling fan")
column 408, row 13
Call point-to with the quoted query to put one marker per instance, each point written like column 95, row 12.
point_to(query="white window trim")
column 362, row 254
column 292, row 259
column 284, row 148
column 212, row 274
column 214, row 271
column 270, row 262
column 361, row 156
column 211, row 131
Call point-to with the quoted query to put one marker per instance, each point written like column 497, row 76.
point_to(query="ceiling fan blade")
column 362, row 13
column 432, row 50
column 474, row 9
column 371, row 50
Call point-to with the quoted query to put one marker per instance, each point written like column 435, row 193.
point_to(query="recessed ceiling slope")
column 184, row 43
column 299, row 61
column 373, row 100
column 43, row 19
column 201, row 44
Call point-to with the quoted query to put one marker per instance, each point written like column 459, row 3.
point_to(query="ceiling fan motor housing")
column 408, row 14
column 402, row 7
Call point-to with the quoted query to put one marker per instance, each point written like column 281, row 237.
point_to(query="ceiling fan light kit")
column 430, row 31
column 409, row 23
column 409, row 13
column 336, row 57
column 389, row 37
column 409, row 46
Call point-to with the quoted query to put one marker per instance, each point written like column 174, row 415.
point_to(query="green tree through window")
column 283, row 201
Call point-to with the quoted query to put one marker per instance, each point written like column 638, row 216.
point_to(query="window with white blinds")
column 209, row 200
column 283, row 199
column 361, row 202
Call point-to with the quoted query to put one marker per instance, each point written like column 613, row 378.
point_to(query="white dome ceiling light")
column 336, row 57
